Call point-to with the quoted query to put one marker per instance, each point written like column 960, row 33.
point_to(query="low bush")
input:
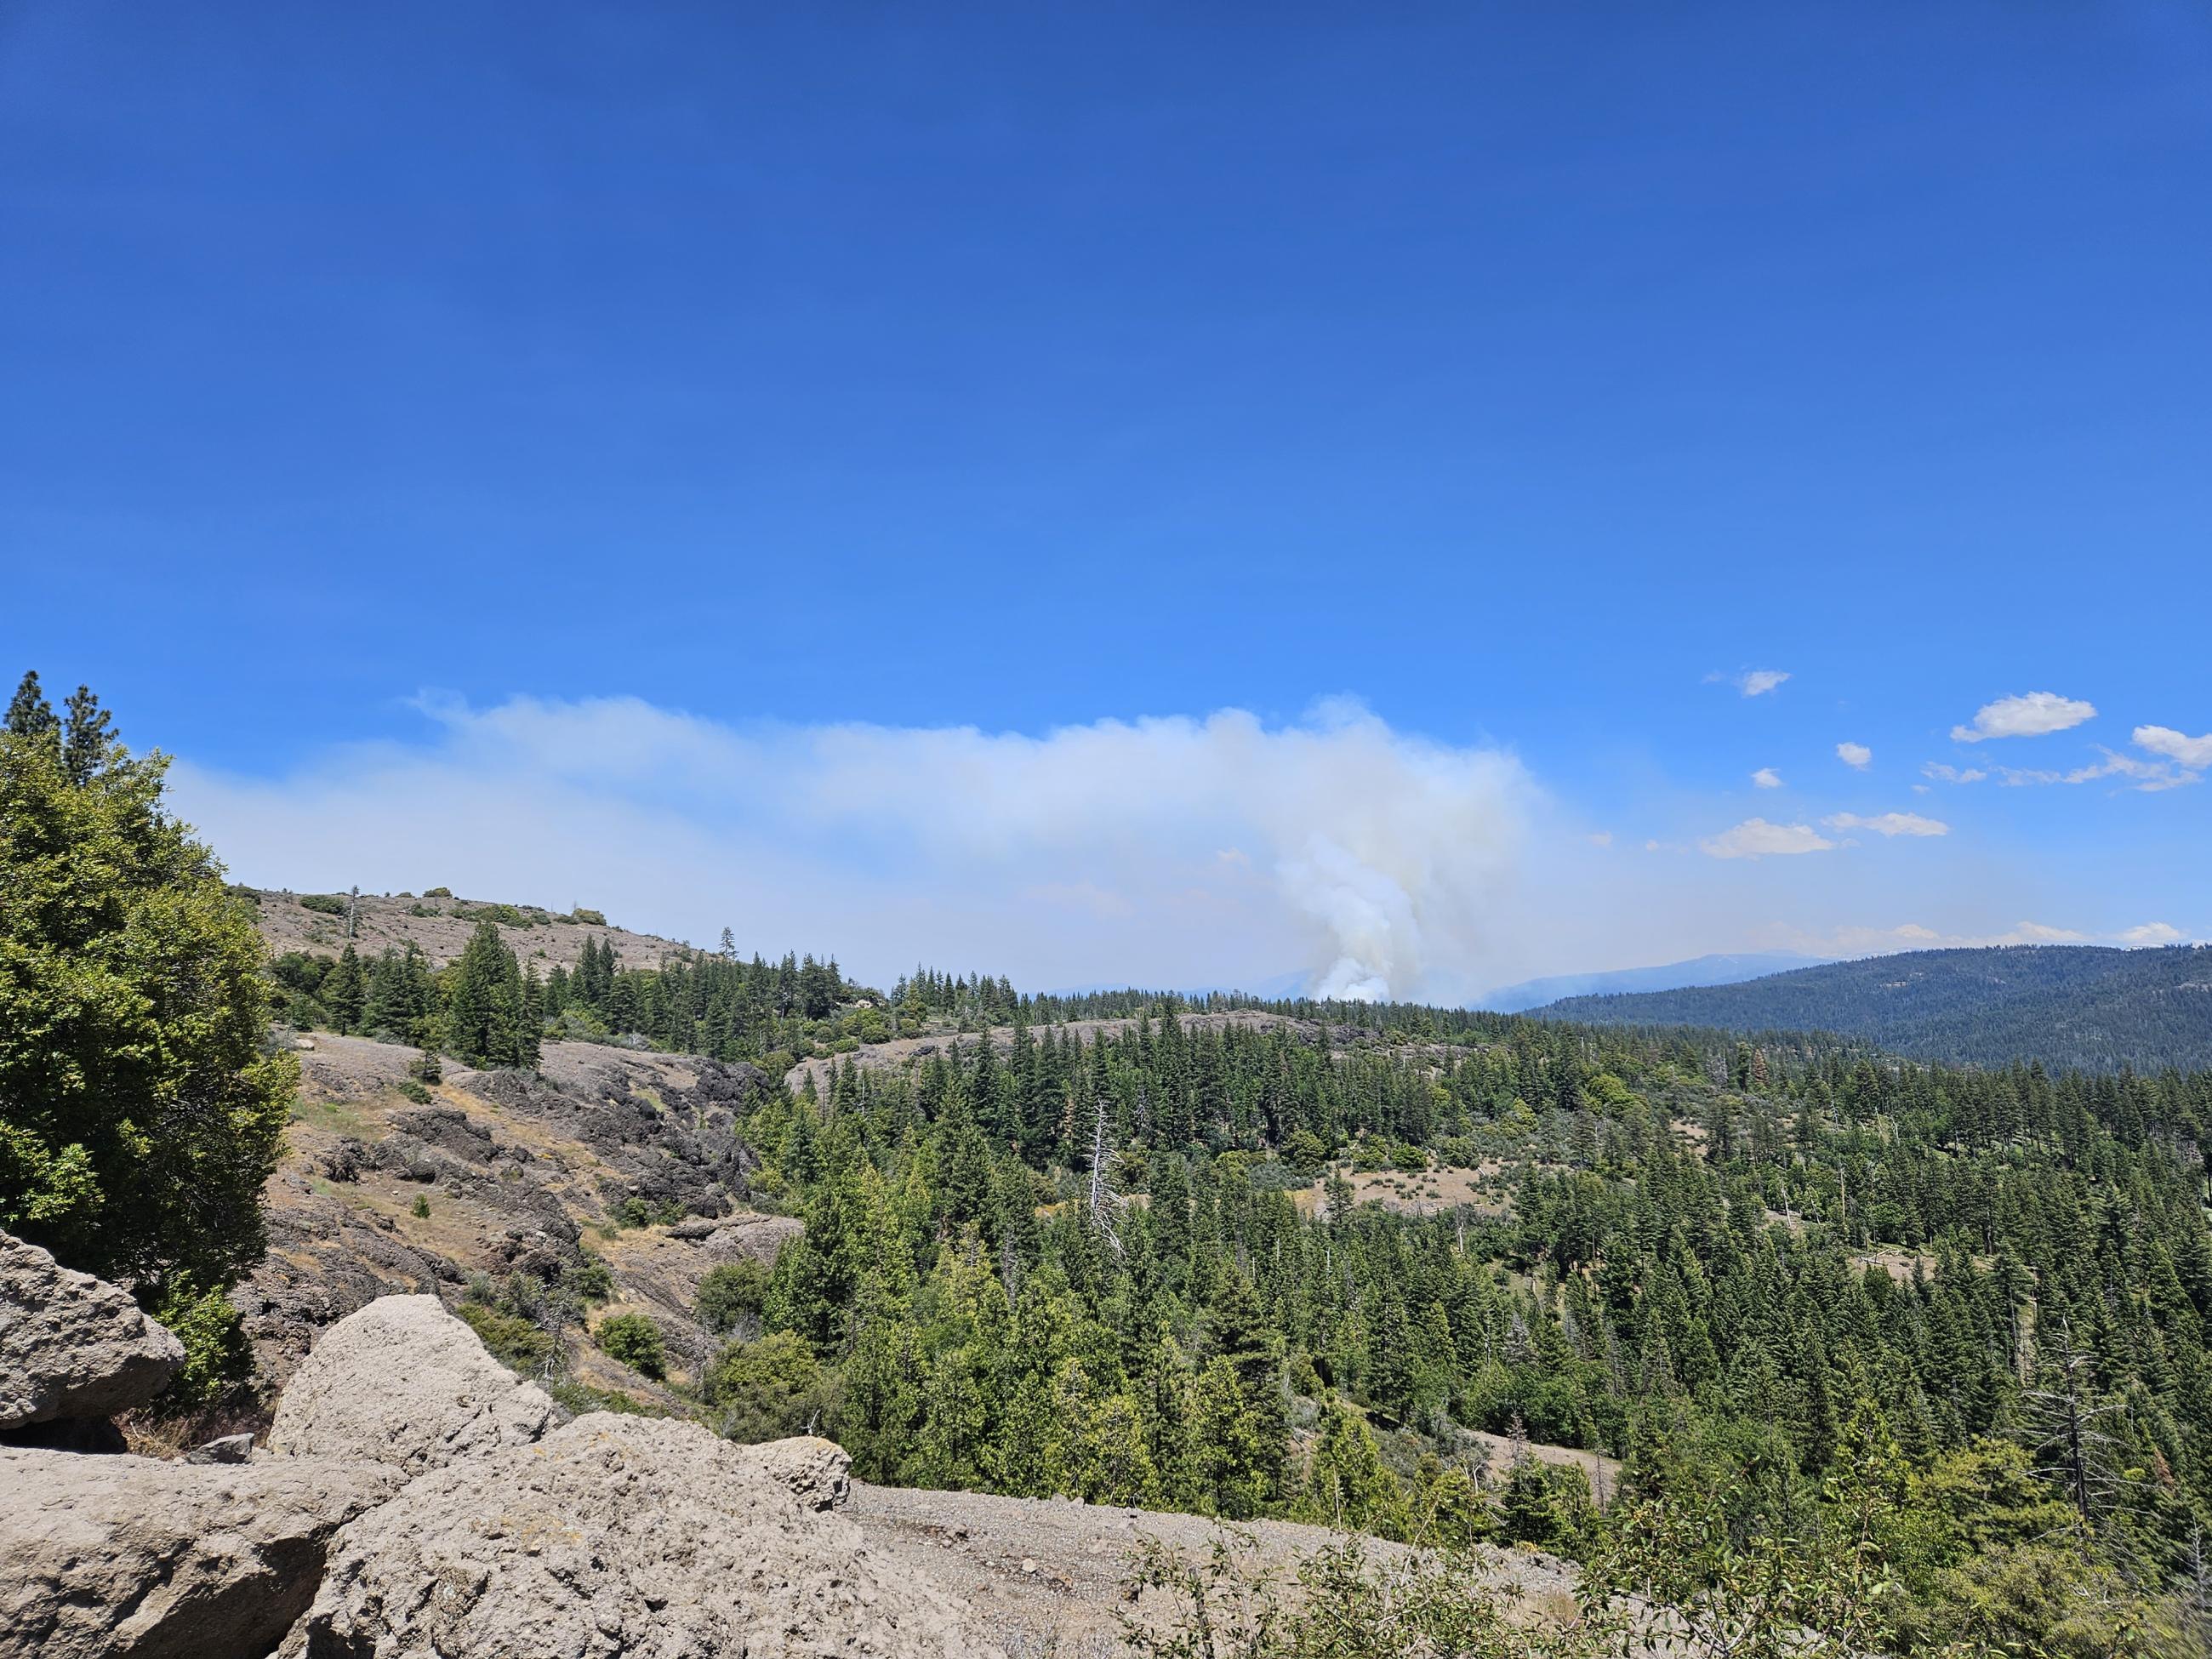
column 329, row 904
column 635, row 1340
column 508, row 1338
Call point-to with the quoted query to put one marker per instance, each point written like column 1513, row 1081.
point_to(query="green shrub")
column 216, row 1353
column 1305, row 1153
column 329, row 904
column 421, row 1207
column 437, row 892
column 424, row 1069
column 577, row 1398
column 588, row 1279
column 635, row 1340
column 587, row 918
column 413, row 1090
column 731, row 1293
column 636, row 1211
column 508, row 1338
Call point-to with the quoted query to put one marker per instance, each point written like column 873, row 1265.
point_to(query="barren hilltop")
column 439, row 925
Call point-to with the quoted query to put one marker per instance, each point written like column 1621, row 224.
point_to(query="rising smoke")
column 1194, row 843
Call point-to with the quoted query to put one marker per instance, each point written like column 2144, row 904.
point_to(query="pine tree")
column 88, row 738
column 344, row 994
column 29, row 713
column 482, row 1010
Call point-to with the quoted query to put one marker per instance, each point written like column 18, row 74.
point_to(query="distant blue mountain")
column 1674, row 977
column 2083, row 1007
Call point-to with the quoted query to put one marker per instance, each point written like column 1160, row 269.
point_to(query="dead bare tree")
column 1100, row 1207
column 2072, row 1449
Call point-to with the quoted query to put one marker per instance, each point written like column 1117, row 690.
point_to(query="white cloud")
column 2149, row 776
column 2150, row 932
column 1942, row 774
column 1854, row 754
column 1376, row 855
column 1600, row 838
column 2030, row 715
column 2034, row 933
column 1889, row 823
column 1752, row 682
column 1767, row 778
column 1756, row 838
column 2195, row 753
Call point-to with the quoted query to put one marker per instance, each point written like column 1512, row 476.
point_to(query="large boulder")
column 132, row 1557
column 72, row 1345
column 616, row 1535
column 404, row 1383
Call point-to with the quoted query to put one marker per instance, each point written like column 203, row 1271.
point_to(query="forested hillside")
column 2074, row 1007
column 1779, row 1330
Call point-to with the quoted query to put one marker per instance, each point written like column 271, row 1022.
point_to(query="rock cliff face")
column 417, row 1499
column 604, row 1159
column 72, row 1345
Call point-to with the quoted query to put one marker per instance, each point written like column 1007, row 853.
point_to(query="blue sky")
column 474, row 400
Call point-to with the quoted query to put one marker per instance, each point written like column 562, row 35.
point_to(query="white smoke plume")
column 1171, row 851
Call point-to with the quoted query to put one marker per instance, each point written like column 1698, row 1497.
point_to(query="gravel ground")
column 1045, row 1573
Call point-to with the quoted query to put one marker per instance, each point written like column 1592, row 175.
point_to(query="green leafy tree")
column 140, row 1109
column 768, row 1389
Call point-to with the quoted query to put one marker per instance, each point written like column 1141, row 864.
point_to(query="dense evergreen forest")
column 1754, row 1275
column 2072, row 1007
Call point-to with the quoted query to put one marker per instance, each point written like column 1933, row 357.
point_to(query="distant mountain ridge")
column 1719, row 970
column 2092, row 1007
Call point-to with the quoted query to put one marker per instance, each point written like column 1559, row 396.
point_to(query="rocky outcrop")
column 817, row 1472
column 615, row 1535
column 72, row 1345
column 131, row 1558
column 405, row 1384
column 415, row 1498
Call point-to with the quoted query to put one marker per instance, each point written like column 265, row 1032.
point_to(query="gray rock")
column 616, row 1535
column 71, row 1344
column 229, row 1449
column 404, row 1383
column 131, row 1558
